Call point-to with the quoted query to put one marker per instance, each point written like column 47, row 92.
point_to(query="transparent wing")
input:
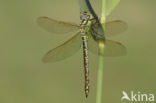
column 112, row 48
column 115, row 27
column 67, row 49
column 55, row 26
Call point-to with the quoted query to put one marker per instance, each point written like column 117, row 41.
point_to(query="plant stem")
column 100, row 73
column 101, row 59
column 103, row 16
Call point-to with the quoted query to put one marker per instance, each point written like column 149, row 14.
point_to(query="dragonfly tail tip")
column 86, row 96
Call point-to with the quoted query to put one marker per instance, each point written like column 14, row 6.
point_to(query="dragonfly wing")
column 116, row 27
column 112, row 48
column 67, row 49
column 55, row 26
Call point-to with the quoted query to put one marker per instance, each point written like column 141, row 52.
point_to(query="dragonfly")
column 86, row 36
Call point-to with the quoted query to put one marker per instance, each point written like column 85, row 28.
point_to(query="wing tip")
column 44, row 60
column 38, row 20
column 123, row 23
column 42, row 17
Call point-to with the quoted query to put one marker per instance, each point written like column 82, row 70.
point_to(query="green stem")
column 101, row 59
column 100, row 73
column 103, row 17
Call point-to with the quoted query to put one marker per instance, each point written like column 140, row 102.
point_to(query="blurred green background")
column 24, row 78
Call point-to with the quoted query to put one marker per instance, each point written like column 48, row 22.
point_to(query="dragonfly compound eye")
column 81, row 17
column 88, row 16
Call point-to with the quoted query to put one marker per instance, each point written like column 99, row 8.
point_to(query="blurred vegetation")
column 25, row 79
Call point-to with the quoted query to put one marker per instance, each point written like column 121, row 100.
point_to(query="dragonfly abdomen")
column 85, row 57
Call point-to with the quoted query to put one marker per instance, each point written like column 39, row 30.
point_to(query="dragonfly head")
column 86, row 18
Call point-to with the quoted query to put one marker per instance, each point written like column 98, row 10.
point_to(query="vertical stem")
column 103, row 17
column 100, row 73
column 101, row 58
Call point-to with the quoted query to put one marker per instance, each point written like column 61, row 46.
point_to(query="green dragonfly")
column 71, row 46
column 86, row 36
